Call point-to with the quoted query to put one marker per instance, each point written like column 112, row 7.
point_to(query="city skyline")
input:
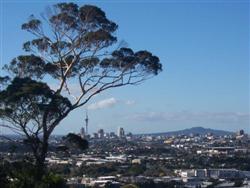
column 204, row 49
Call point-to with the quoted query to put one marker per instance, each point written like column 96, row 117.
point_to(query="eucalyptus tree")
column 71, row 46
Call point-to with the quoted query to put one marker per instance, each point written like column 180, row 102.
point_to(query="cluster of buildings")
column 200, row 178
column 100, row 134
column 185, row 160
column 213, row 173
column 171, row 153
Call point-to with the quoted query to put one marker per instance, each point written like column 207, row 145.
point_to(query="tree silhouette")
column 73, row 48
column 76, row 142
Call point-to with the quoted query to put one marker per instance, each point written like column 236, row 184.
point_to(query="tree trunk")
column 40, row 169
column 40, row 161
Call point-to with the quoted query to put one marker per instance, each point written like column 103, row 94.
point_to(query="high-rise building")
column 112, row 135
column 241, row 132
column 106, row 135
column 100, row 133
column 121, row 132
column 86, row 123
column 95, row 135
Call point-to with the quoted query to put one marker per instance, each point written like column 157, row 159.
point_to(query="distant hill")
column 193, row 130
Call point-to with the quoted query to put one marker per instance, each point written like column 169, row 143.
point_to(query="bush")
column 129, row 186
column 23, row 175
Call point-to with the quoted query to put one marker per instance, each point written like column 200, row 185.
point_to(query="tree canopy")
column 76, row 141
column 25, row 102
column 71, row 45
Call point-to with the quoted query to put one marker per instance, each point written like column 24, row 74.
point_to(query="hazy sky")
column 204, row 49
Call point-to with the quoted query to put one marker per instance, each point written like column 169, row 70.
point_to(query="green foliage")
column 23, row 175
column 22, row 66
column 26, row 100
column 155, row 170
column 4, row 170
column 129, row 186
column 238, row 182
column 76, row 141
column 52, row 181
column 136, row 169
column 97, row 170
column 80, row 34
column 63, row 170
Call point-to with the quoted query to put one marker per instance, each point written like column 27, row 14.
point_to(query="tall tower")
column 82, row 132
column 86, row 122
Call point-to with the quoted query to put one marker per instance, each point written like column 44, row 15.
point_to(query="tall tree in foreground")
column 72, row 46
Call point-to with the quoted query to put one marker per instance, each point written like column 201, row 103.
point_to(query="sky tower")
column 86, row 122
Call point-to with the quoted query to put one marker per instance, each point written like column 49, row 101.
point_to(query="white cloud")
column 129, row 102
column 109, row 102
column 106, row 103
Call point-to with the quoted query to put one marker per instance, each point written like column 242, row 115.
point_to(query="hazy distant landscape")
column 193, row 130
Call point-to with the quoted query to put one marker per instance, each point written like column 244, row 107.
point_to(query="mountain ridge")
column 192, row 130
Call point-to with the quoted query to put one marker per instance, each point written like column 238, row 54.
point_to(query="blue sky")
column 204, row 49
